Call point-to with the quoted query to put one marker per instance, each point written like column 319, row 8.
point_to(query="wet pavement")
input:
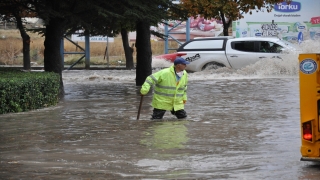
column 237, row 128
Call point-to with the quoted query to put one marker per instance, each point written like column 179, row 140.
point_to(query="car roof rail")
column 228, row 37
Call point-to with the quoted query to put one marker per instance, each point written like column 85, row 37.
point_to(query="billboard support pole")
column 87, row 51
column 167, row 34
column 166, row 41
column 62, row 52
column 188, row 30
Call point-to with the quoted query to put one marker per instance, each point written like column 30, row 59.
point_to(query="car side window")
column 275, row 48
column 269, row 47
column 247, row 46
column 264, row 46
column 207, row 44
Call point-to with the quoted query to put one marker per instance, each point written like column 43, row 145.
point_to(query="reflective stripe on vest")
column 154, row 79
column 169, row 87
column 169, row 91
column 169, row 95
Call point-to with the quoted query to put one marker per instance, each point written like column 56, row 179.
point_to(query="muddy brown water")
column 246, row 128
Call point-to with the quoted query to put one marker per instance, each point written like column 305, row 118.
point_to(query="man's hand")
column 184, row 101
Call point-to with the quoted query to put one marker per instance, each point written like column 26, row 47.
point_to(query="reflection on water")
column 242, row 124
column 165, row 141
column 166, row 135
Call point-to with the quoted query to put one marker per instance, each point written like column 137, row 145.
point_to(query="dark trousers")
column 159, row 113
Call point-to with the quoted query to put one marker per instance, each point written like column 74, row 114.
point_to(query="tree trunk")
column 25, row 43
column 226, row 25
column 52, row 57
column 128, row 51
column 144, row 54
column 225, row 30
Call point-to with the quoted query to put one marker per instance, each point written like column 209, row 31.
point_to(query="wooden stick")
column 140, row 107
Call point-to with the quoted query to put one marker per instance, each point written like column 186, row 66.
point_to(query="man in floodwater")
column 170, row 90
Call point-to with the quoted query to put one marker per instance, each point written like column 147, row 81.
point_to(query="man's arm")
column 149, row 82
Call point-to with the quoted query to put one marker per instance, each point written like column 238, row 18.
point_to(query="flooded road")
column 240, row 126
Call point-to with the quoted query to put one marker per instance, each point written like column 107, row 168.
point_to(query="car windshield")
column 287, row 44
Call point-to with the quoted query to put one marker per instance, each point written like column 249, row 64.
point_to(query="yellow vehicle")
column 309, row 74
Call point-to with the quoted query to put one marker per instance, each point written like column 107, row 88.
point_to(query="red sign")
column 315, row 20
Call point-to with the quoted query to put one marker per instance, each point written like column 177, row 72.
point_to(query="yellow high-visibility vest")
column 169, row 93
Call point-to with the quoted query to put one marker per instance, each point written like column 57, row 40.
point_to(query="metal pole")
column 166, row 41
column 108, row 51
column 62, row 52
column 87, row 50
column 188, row 30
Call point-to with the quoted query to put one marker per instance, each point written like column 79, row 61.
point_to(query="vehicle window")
column 275, row 48
column 207, row 44
column 247, row 46
column 286, row 43
column 264, row 46
column 269, row 47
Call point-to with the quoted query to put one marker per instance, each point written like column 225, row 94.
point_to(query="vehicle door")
column 244, row 53
column 241, row 53
column 268, row 50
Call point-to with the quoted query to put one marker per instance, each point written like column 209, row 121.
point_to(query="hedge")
column 23, row 91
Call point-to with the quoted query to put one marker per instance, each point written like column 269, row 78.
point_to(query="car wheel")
column 212, row 65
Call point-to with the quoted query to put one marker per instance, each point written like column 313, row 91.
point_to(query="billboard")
column 75, row 37
column 199, row 27
column 295, row 22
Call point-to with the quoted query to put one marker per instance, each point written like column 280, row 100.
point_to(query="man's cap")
column 180, row 60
